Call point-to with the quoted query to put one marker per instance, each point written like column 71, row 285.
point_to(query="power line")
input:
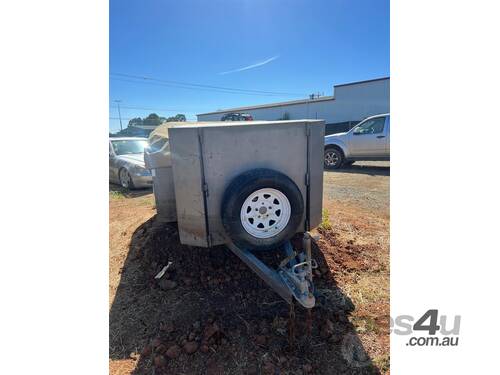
column 205, row 86
column 191, row 88
column 198, row 86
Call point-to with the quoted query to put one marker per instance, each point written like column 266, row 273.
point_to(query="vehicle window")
column 372, row 126
column 131, row 146
column 156, row 146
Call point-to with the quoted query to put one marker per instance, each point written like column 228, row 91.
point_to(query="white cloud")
column 267, row 61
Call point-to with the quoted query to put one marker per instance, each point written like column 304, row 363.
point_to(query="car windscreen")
column 130, row 146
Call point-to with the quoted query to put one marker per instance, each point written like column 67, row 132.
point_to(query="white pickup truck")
column 369, row 140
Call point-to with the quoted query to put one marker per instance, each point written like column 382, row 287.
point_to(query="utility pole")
column 119, row 113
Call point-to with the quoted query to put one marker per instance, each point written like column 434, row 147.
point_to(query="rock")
column 166, row 284
column 210, row 331
column 204, row 348
column 160, row 361
column 307, row 368
column 166, row 327
column 173, row 352
column 146, row 351
column 327, row 329
column 191, row 347
column 329, row 325
column 187, row 280
column 160, row 349
column 134, row 356
column 156, row 342
column 260, row 340
column 335, row 338
column 192, row 336
column 268, row 368
column 282, row 360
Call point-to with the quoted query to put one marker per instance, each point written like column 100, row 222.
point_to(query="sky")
column 288, row 49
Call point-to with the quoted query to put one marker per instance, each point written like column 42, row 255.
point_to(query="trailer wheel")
column 261, row 209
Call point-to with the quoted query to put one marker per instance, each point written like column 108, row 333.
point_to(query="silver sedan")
column 126, row 163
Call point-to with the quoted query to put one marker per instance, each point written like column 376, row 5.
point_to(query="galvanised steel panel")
column 316, row 152
column 218, row 152
column 188, row 186
column 160, row 164
column 163, row 188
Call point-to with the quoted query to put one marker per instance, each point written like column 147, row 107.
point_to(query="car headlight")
column 140, row 171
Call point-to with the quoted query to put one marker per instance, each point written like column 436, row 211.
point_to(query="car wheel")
column 261, row 209
column 333, row 158
column 125, row 179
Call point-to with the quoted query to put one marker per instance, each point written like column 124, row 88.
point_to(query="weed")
column 325, row 222
column 115, row 194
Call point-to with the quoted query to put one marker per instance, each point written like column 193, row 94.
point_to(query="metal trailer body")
column 160, row 164
column 206, row 157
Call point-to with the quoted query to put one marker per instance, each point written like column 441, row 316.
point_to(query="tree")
column 135, row 121
column 178, row 117
column 152, row 119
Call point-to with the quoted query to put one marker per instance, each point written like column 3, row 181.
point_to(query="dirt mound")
column 210, row 314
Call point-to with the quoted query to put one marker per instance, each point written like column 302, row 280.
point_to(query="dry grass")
column 368, row 287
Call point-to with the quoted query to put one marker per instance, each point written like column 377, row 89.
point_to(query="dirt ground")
column 209, row 314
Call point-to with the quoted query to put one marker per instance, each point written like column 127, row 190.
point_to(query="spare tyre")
column 261, row 209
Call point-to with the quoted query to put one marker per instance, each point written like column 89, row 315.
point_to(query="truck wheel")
column 261, row 209
column 333, row 158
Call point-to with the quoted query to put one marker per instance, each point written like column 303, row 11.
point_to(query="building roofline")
column 288, row 103
column 271, row 105
column 361, row 82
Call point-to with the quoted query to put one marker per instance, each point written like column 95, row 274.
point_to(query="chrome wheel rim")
column 331, row 158
column 124, row 178
column 265, row 213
